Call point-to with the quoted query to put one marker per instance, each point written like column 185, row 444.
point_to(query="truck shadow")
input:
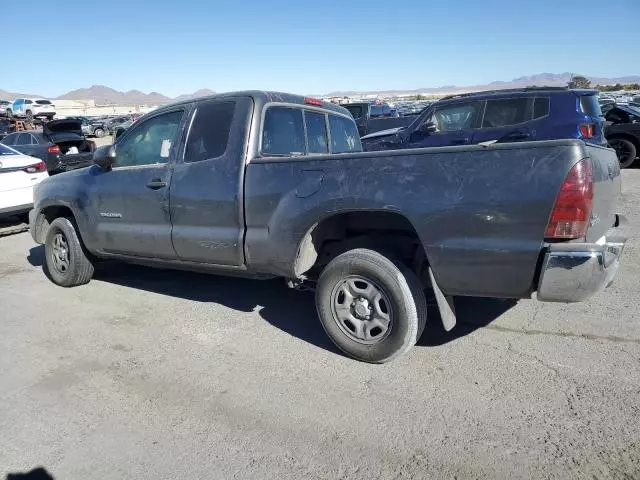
column 289, row 310
column 35, row 474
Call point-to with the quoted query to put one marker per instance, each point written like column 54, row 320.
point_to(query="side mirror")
column 105, row 157
column 119, row 131
column 428, row 127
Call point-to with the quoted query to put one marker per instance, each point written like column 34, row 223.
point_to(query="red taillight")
column 53, row 149
column 313, row 101
column 572, row 211
column 586, row 130
column 37, row 168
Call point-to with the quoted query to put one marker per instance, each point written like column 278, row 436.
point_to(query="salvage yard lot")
column 145, row 373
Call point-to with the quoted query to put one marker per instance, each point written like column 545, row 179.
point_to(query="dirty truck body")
column 370, row 230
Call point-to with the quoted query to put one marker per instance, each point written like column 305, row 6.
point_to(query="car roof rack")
column 504, row 90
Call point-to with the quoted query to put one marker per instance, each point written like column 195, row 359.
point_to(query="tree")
column 579, row 81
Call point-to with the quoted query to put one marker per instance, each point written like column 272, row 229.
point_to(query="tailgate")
column 606, row 186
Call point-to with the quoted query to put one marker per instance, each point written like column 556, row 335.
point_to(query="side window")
column 34, row 140
column 454, row 117
column 28, row 102
column 316, row 132
column 540, row 107
column 283, row 132
column 344, row 135
column 505, row 112
column 209, row 133
column 24, row 139
column 150, row 142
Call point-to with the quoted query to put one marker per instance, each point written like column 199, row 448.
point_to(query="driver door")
column 454, row 125
column 130, row 203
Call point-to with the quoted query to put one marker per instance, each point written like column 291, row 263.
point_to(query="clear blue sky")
column 178, row 46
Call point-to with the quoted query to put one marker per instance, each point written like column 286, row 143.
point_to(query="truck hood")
column 383, row 133
column 59, row 126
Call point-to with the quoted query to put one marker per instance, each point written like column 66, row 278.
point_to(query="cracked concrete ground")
column 155, row 374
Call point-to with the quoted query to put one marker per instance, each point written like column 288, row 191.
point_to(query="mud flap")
column 445, row 304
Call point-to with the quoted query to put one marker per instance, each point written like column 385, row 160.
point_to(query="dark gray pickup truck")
column 269, row 184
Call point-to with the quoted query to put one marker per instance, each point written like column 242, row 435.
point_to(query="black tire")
column 407, row 305
column 98, row 132
column 625, row 150
column 29, row 115
column 79, row 268
column 9, row 113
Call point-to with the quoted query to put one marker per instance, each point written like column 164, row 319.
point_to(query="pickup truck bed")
column 370, row 230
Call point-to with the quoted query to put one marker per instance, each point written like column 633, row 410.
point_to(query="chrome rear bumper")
column 573, row 272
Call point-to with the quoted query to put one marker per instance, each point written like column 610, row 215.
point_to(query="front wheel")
column 373, row 308
column 67, row 262
column 625, row 150
column 29, row 116
column 9, row 113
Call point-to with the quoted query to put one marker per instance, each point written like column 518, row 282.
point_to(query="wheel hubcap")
column 621, row 150
column 60, row 253
column 361, row 309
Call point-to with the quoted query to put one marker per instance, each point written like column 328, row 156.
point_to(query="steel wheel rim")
column 622, row 151
column 60, row 253
column 361, row 309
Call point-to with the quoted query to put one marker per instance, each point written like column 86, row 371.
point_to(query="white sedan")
column 18, row 175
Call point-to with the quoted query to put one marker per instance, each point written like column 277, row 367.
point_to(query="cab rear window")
column 299, row 131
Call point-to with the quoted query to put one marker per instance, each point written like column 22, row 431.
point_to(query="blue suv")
column 544, row 113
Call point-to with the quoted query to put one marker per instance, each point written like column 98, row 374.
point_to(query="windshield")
column 4, row 150
column 632, row 110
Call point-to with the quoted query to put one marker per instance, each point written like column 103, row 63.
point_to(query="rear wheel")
column 29, row 116
column 373, row 308
column 67, row 262
column 625, row 150
column 98, row 132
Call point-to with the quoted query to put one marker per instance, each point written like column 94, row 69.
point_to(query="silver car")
column 4, row 104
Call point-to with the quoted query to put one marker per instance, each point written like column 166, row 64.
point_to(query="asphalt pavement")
column 146, row 373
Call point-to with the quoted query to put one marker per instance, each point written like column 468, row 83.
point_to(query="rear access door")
column 208, row 184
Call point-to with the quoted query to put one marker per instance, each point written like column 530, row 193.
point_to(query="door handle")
column 156, row 183
column 460, row 141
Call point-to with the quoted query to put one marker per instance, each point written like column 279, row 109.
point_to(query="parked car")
column 623, row 133
column 53, row 143
column 4, row 104
column 30, row 108
column 499, row 117
column 6, row 127
column 18, row 175
column 372, row 118
column 94, row 127
column 270, row 184
column 114, row 122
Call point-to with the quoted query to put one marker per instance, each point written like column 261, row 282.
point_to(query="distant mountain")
column 203, row 92
column 103, row 95
column 540, row 79
column 4, row 95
